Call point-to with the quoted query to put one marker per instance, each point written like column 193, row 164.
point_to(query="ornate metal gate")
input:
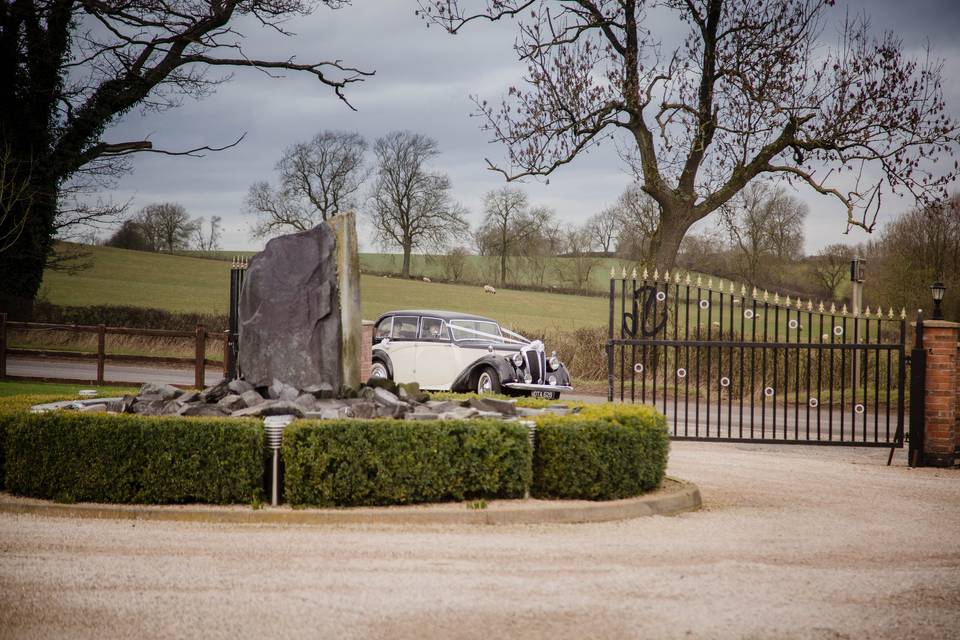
column 727, row 364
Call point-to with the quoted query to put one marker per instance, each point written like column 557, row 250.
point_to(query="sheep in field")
column 488, row 289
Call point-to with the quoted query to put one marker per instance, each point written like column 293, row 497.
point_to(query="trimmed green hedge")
column 605, row 452
column 379, row 462
column 89, row 457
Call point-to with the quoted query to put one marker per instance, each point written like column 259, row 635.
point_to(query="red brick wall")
column 367, row 351
column 942, row 400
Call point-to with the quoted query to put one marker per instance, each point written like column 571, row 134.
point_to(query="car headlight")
column 518, row 360
column 554, row 363
column 528, row 378
column 552, row 380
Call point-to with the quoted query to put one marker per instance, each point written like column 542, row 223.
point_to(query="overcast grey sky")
column 423, row 82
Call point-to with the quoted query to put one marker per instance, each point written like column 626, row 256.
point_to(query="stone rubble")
column 238, row 398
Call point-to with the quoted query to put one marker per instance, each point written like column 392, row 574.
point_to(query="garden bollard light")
column 273, row 427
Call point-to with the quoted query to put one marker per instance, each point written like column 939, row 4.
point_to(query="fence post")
column 918, row 376
column 226, row 354
column 613, row 289
column 199, row 365
column 101, row 351
column 3, row 346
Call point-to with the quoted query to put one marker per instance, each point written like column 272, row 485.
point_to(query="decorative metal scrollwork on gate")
column 653, row 313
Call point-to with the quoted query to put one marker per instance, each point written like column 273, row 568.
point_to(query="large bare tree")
column 505, row 211
column 752, row 88
column 411, row 206
column 70, row 69
column 318, row 179
column 603, row 228
column 765, row 227
column 167, row 226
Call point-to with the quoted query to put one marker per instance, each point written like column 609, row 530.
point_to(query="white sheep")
column 426, row 279
column 488, row 289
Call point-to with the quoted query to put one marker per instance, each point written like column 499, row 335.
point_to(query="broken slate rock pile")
column 238, row 398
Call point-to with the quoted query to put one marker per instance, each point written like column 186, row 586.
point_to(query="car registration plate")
column 548, row 395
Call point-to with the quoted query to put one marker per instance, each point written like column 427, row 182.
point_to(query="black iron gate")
column 237, row 272
column 727, row 364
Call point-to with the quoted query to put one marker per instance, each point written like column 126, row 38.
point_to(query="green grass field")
column 192, row 284
column 554, row 272
column 10, row 388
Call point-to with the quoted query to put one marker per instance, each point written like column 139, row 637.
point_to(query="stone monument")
column 299, row 309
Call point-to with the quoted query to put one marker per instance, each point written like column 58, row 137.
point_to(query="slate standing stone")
column 289, row 312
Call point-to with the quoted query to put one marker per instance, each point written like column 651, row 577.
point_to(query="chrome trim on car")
column 522, row 386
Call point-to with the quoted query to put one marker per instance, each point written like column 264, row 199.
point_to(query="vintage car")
column 445, row 350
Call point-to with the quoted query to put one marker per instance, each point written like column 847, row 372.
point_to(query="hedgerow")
column 604, row 452
column 96, row 457
column 379, row 462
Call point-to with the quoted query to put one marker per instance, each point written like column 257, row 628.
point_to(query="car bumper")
column 522, row 386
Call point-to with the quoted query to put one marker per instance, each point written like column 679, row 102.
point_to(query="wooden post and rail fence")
column 101, row 356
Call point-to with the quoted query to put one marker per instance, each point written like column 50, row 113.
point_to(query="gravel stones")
column 239, row 398
column 163, row 391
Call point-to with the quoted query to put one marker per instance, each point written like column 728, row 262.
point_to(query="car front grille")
column 536, row 364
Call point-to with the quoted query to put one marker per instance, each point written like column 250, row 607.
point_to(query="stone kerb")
column 942, row 400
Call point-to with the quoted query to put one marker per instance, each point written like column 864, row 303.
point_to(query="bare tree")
column 579, row 261
column 130, row 235
column 540, row 239
column 69, row 71
column 763, row 222
column 209, row 241
column 409, row 205
column 454, row 263
column 603, row 228
column 318, row 179
column 751, row 89
column 637, row 218
column 166, row 226
column 830, row 266
column 918, row 248
column 502, row 208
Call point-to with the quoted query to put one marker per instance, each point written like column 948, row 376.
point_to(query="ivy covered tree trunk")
column 22, row 263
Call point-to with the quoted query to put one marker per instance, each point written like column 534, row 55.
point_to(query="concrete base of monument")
column 673, row 497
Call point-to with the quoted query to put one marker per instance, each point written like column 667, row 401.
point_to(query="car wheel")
column 488, row 381
column 379, row 370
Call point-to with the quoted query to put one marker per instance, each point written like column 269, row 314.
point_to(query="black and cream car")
column 445, row 350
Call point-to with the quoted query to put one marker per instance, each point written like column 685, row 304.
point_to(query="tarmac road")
column 793, row 542
column 86, row 370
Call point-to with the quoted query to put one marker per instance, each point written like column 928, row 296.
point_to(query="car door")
column 435, row 362
column 402, row 347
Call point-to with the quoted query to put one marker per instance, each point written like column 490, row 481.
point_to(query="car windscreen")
column 468, row 330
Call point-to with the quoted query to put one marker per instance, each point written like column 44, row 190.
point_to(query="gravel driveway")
column 793, row 542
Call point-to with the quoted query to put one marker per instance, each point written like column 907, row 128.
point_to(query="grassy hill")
column 554, row 271
column 193, row 284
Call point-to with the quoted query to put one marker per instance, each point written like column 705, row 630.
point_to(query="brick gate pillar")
column 942, row 401
column 366, row 355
